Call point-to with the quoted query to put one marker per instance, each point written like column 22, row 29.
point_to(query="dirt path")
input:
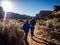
column 35, row 40
column 38, row 39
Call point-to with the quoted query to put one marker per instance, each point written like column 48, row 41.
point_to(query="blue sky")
column 32, row 7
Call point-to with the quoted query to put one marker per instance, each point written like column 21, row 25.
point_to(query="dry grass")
column 12, row 33
column 49, row 30
column 46, row 31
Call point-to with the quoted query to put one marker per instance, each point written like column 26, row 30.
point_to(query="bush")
column 11, row 34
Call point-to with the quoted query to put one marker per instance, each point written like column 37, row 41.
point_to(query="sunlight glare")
column 7, row 6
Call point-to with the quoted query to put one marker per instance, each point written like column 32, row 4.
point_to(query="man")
column 32, row 23
column 26, row 28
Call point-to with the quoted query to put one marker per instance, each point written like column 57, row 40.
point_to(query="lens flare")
column 8, row 7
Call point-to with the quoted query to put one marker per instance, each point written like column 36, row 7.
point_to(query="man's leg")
column 32, row 31
column 26, row 36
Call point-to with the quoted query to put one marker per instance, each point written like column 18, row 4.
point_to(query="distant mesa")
column 56, row 12
column 56, row 9
column 44, row 13
column 12, row 15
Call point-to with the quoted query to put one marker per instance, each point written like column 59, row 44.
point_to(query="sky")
column 32, row 7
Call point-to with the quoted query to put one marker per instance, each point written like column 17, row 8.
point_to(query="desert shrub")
column 51, row 28
column 11, row 33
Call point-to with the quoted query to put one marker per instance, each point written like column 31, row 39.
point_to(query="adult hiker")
column 26, row 28
column 32, row 23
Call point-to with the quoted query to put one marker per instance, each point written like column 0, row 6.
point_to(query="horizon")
column 28, row 7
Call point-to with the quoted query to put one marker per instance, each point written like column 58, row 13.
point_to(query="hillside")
column 12, row 15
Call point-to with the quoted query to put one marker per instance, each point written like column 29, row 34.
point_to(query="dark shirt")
column 26, row 27
column 32, row 23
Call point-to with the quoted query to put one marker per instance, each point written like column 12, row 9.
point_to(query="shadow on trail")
column 38, row 41
column 26, row 42
column 45, row 41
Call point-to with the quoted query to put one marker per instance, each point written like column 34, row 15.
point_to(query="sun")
column 7, row 6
